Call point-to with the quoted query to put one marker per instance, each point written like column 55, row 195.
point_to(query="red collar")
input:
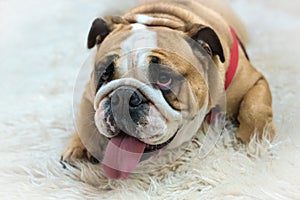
column 234, row 59
column 233, row 64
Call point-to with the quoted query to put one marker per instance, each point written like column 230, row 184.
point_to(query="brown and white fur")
column 165, row 24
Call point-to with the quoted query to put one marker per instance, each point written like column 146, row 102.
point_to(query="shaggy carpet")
column 42, row 49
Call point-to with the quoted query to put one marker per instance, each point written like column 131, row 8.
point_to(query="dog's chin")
column 151, row 148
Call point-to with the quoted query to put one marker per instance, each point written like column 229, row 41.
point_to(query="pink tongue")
column 122, row 155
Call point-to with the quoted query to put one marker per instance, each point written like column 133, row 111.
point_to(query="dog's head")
column 153, row 87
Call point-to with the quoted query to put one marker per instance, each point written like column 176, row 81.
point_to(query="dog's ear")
column 98, row 31
column 205, row 34
column 100, row 28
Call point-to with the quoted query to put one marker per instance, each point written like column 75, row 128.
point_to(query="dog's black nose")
column 124, row 96
column 129, row 108
column 116, row 99
column 136, row 99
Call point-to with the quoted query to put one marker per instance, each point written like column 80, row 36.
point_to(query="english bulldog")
column 159, row 72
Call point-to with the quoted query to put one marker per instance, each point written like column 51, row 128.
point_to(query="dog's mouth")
column 124, row 152
column 150, row 148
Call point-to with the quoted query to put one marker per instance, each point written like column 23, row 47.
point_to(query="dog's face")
column 152, row 89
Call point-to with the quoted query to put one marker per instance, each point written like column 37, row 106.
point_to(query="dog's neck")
column 234, row 60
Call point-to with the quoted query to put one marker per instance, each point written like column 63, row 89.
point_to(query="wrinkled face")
column 148, row 82
column 151, row 93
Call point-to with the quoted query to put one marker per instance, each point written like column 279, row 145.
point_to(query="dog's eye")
column 155, row 60
column 164, row 81
column 104, row 72
column 108, row 73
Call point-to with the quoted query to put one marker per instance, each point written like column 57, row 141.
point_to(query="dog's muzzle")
column 129, row 109
column 137, row 120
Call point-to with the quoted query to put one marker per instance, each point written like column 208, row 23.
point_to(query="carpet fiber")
column 42, row 49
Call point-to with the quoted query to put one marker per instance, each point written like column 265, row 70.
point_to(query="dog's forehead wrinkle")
column 146, row 19
column 136, row 47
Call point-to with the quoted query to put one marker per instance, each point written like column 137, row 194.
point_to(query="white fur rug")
column 42, row 46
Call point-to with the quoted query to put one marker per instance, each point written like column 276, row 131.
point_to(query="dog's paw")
column 246, row 133
column 73, row 153
column 76, row 152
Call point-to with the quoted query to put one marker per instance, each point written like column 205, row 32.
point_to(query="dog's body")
column 151, row 85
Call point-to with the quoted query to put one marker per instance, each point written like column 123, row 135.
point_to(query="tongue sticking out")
column 122, row 155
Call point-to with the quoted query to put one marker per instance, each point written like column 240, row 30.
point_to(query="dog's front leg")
column 255, row 114
column 87, row 129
